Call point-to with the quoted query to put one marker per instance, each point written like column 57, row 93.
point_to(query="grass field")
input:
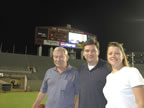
column 17, row 99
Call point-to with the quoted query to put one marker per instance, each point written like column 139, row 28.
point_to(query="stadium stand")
column 17, row 66
column 34, row 67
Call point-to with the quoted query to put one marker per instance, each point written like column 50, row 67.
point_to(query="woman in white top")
column 124, row 87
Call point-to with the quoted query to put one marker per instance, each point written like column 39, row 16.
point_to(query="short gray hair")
column 61, row 49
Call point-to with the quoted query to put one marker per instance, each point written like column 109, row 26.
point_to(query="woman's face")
column 115, row 56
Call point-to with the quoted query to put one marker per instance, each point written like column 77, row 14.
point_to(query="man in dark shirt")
column 92, row 77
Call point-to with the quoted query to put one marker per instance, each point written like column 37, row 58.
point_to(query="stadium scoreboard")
column 61, row 36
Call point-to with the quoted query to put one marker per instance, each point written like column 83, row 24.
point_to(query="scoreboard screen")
column 58, row 36
column 61, row 36
column 42, row 33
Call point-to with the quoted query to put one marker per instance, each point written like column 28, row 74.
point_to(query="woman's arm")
column 139, row 95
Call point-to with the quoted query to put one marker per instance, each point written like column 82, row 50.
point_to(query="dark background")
column 121, row 21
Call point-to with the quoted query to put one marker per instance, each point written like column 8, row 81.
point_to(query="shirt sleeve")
column 44, row 86
column 77, row 83
column 136, row 78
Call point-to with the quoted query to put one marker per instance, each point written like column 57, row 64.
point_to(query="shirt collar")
column 68, row 68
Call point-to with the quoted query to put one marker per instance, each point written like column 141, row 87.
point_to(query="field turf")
column 17, row 99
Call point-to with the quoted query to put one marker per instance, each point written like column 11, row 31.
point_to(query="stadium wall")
column 34, row 67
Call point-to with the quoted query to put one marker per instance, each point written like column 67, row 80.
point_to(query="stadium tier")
column 15, row 67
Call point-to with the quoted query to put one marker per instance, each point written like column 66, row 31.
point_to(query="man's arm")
column 76, row 101
column 38, row 100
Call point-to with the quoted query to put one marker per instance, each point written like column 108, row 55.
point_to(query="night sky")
column 110, row 21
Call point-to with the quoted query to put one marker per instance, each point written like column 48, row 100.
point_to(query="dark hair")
column 120, row 46
column 91, row 42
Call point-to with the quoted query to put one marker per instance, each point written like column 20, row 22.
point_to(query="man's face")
column 60, row 59
column 91, row 54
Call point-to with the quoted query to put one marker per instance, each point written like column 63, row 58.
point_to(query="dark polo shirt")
column 91, row 85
